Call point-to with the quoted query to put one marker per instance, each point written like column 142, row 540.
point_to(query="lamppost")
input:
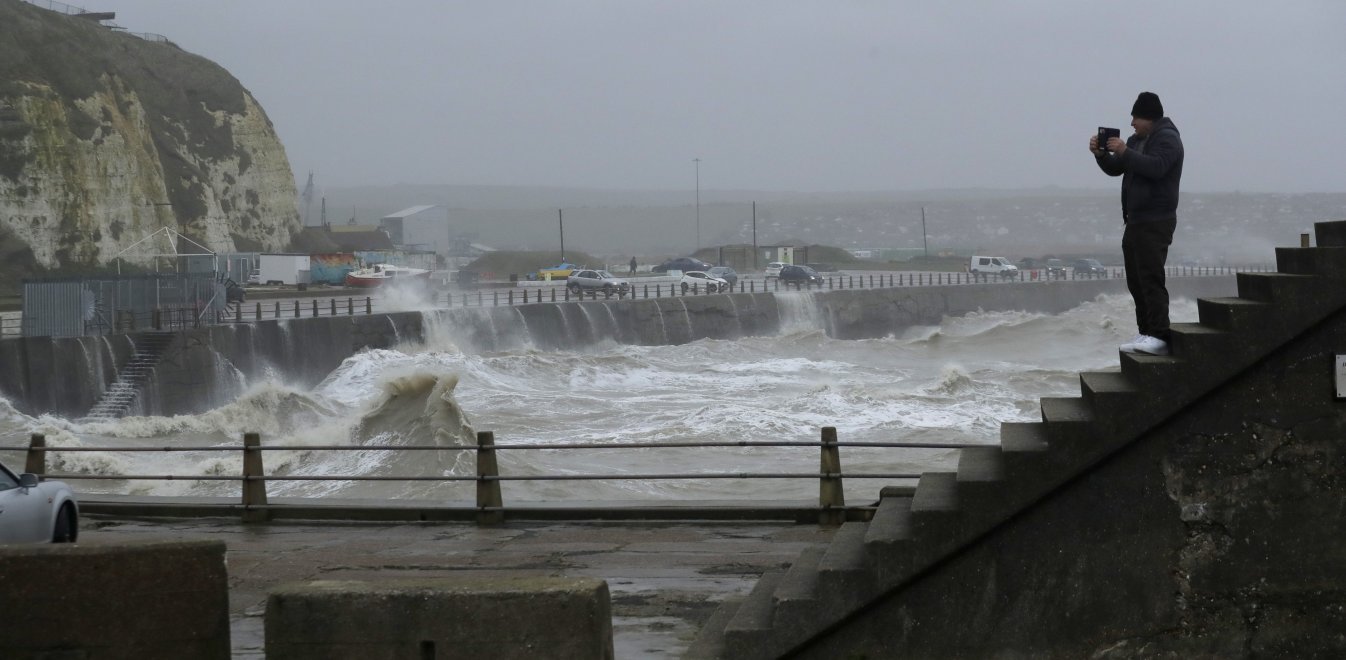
column 925, row 238
column 698, row 203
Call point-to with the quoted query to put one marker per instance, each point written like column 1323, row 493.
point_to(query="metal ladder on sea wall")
column 119, row 396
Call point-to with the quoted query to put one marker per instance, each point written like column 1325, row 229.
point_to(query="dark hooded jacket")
column 1150, row 169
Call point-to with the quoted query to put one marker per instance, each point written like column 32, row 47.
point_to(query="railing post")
column 254, row 492
column 277, row 309
column 488, row 490
column 350, row 307
column 830, row 495
column 36, row 461
column 296, row 309
column 369, row 305
column 333, row 302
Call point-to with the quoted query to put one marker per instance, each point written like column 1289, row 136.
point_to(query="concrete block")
column 458, row 617
column 144, row 600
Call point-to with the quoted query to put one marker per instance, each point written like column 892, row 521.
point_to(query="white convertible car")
column 36, row 512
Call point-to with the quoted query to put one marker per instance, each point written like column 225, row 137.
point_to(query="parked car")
column 702, row 281
column 800, row 276
column 993, row 266
column 33, row 511
column 773, row 269
column 1088, row 268
column 683, row 264
column 1056, row 269
column 725, row 273
column 556, row 272
column 591, row 280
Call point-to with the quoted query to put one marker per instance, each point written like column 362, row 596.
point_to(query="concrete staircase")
column 913, row 534
column 119, row 396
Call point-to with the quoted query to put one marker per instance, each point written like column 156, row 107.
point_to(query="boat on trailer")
column 381, row 274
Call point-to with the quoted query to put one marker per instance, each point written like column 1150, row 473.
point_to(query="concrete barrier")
column 460, row 617
column 142, row 600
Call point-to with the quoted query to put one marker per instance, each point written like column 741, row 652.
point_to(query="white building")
column 419, row 228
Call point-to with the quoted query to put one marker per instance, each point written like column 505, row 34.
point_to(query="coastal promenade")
column 665, row 578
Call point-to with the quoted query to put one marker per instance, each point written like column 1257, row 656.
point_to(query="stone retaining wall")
column 208, row 367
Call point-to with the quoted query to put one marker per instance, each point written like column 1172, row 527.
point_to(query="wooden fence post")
column 36, row 461
column 830, row 495
column 254, row 492
column 488, row 490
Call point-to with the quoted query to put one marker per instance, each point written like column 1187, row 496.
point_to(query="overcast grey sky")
column 777, row 94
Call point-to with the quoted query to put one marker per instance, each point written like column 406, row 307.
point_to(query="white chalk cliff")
column 106, row 138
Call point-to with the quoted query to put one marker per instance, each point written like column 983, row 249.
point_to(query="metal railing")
column 178, row 318
column 71, row 10
column 339, row 306
column 489, row 505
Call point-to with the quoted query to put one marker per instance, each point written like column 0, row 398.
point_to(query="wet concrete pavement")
column 665, row 578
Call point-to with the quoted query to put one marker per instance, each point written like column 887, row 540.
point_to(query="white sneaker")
column 1148, row 345
column 1130, row 345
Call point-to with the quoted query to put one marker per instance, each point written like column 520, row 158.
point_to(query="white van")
column 993, row 266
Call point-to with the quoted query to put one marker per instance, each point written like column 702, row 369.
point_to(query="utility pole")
column 924, row 237
column 561, row 221
column 698, row 202
column 754, row 235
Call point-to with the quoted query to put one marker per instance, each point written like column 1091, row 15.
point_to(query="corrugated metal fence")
column 75, row 306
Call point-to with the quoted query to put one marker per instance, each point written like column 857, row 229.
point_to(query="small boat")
column 380, row 274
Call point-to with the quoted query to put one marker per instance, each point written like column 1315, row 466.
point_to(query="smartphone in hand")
column 1104, row 133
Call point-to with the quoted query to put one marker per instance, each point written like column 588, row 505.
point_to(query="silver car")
column 36, row 512
column 595, row 280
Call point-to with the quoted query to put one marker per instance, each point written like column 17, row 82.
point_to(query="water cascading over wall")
column 207, row 367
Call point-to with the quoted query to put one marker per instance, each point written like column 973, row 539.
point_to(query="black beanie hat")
column 1147, row 106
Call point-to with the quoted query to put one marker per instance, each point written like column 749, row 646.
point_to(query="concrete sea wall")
column 1217, row 535
column 206, row 367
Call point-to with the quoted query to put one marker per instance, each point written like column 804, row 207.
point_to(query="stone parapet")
column 521, row 617
column 133, row 600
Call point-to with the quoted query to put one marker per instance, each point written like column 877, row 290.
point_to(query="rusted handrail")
column 489, row 501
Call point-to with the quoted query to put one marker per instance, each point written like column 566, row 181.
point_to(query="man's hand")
column 1117, row 145
column 1093, row 145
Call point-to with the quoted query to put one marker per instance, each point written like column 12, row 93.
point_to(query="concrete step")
column 709, row 642
column 843, row 572
column 1196, row 341
column 1109, row 393
column 1150, row 372
column 1330, row 234
column 1232, row 314
column 795, row 601
column 1272, row 287
column 746, row 631
column 1327, row 262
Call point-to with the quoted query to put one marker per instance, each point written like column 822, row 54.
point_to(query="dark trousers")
column 1144, row 251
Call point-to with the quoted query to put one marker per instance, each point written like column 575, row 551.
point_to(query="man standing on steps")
column 1150, row 164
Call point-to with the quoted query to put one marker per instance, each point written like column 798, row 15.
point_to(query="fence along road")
column 346, row 302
